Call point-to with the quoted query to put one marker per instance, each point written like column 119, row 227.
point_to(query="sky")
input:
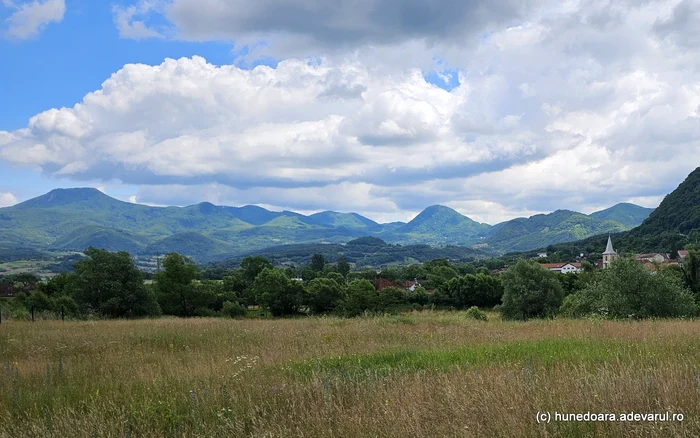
column 496, row 108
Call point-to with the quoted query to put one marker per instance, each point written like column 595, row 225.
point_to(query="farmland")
column 418, row 374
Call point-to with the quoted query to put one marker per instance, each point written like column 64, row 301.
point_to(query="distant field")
column 37, row 267
column 430, row 374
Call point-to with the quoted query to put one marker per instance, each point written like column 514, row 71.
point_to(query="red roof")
column 381, row 283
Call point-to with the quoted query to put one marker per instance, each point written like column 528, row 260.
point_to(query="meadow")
column 420, row 374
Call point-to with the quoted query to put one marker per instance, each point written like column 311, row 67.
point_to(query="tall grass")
column 421, row 374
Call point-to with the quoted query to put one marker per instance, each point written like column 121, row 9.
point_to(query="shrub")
column 361, row 297
column 204, row 312
column 530, row 291
column 277, row 293
column 628, row 289
column 474, row 313
column 232, row 309
column 324, row 294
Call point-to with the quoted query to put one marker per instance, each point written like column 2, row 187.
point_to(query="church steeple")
column 609, row 255
column 609, row 249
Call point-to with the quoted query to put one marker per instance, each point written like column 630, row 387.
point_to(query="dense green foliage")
column 530, row 291
column 629, row 290
column 474, row 313
column 277, row 293
column 479, row 290
column 109, row 284
column 177, row 293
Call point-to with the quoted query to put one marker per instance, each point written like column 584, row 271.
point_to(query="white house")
column 563, row 268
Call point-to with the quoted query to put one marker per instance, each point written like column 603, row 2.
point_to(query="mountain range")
column 672, row 225
column 74, row 219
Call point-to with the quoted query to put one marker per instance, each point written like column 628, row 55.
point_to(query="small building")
column 563, row 268
column 411, row 285
column 7, row 290
column 381, row 283
column 682, row 253
column 654, row 257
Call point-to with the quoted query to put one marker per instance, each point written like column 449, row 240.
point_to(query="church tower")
column 609, row 255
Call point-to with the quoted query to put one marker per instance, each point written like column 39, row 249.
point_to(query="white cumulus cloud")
column 30, row 18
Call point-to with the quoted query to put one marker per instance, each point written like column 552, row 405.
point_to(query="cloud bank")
column 574, row 105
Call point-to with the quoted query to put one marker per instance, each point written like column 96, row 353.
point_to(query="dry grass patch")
column 420, row 374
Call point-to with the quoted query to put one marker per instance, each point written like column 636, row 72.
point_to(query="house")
column 562, row 268
column 381, row 283
column 541, row 255
column 411, row 285
column 7, row 290
column 654, row 257
column 682, row 253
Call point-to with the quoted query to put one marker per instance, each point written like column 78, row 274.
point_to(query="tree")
column 252, row 266
column 628, row 289
column 317, row 262
column 232, row 309
column 39, row 301
column 440, row 275
column 57, row 285
column 391, row 297
column 323, row 295
column 237, row 285
column 361, row 296
column 177, row 293
column 691, row 269
column 343, row 266
column 530, row 291
column 335, row 276
column 473, row 290
column 277, row 293
column 110, row 284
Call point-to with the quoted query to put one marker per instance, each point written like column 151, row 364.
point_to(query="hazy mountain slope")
column 76, row 218
column 101, row 237
column 194, row 245
column 545, row 229
column 674, row 223
column 629, row 215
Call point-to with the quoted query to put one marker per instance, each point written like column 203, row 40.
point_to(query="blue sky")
column 498, row 109
column 50, row 71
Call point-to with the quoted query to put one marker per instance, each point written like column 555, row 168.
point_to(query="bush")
column 324, row 294
column 474, row 313
column 233, row 310
column 361, row 297
column 530, row 291
column 628, row 289
column 204, row 312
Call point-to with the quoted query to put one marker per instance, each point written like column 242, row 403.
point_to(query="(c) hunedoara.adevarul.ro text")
column 548, row 417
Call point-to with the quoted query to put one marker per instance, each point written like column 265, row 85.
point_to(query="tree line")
column 108, row 285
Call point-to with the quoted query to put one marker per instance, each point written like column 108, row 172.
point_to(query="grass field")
column 429, row 374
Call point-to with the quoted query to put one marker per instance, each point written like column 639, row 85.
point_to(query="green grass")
column 420, row 374
column 545, row 353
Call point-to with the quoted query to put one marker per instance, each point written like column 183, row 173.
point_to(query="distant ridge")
column 674, row 223
column 73, row 219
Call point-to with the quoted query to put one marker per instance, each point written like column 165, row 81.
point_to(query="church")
column 609, row 255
